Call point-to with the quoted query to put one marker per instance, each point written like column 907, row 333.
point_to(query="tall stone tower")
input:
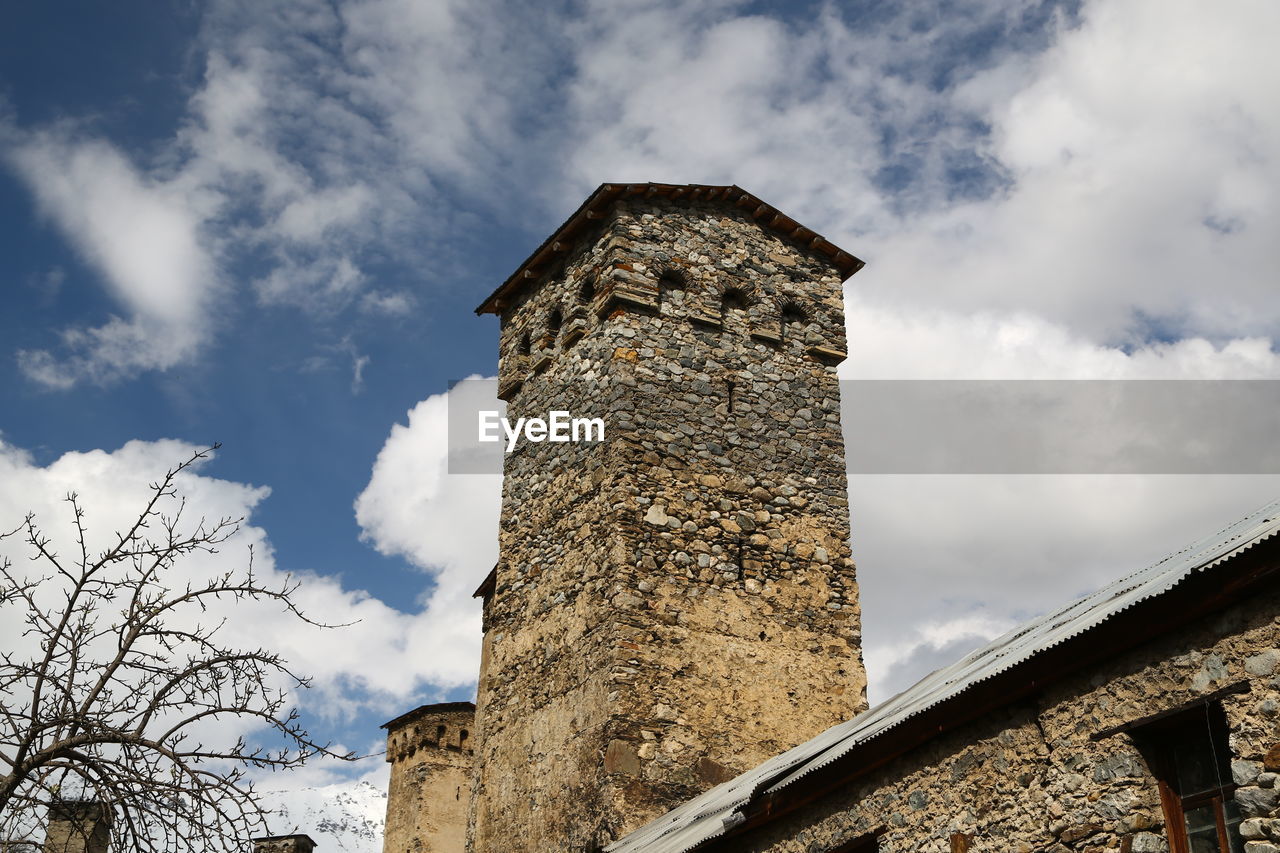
column 430, row 753
column 676, row 603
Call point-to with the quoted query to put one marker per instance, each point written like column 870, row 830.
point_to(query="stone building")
column 671, row 657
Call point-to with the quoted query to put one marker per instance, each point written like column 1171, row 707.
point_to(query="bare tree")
column 124, row 679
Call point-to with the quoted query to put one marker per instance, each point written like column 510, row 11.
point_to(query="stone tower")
column 676, row 603
column 78, row 827
column 430, row 753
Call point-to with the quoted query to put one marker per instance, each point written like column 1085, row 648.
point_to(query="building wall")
column 430, row 751
column 678, row 603
column 1031, row 779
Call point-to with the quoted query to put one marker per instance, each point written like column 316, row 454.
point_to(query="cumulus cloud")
column 1140, row 150
column 888, row 340
column 445, row 524
column 946, row 562
column 381, row 661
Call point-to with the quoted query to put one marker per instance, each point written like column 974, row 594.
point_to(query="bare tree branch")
column 124, row 675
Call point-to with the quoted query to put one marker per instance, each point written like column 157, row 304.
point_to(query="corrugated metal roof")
column 709, row 815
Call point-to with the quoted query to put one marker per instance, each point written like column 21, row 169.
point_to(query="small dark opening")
column 525, row 346
column 555, row 320
column 587, row 291
column 734, row 300
column 668, row 281
column 792, row 317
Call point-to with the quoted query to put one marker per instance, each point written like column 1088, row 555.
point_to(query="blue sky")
column 267, row 224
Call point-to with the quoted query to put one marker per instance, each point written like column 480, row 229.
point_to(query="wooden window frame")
column 1153, row 741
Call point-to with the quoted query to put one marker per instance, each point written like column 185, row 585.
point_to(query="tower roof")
column 606, row 194
column 423, row 710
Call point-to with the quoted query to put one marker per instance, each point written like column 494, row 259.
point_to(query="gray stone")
column 1245, row 772
column 1148, row 842
column 1259, row 847
column 1256, row 802
column 1263, row 663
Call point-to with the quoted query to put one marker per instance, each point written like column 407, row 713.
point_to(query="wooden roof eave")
column 596, row 207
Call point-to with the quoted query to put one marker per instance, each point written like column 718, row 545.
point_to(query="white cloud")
column 394, row 304
column 143, row 237
column 446, row 524
column 891, row 341
column 946, row 562
column 1141, row 153
column 317, row 140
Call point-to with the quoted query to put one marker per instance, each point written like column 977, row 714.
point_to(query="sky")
column 267, row 224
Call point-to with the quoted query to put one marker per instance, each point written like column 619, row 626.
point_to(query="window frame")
column 1156, row 742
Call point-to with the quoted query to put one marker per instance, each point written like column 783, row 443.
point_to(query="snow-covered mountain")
column 344, row 817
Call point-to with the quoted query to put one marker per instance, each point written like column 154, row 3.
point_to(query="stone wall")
column 1033, row 778
column 430, row 751
column 678, row 603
